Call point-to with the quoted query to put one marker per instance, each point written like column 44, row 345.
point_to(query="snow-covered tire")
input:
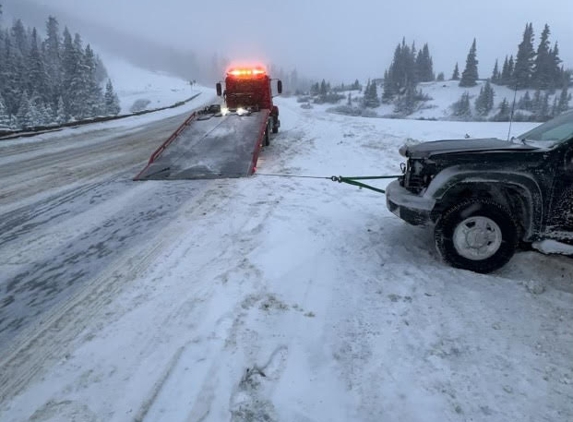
column 479, row 235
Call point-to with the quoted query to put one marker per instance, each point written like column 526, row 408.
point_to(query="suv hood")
column 428, row 149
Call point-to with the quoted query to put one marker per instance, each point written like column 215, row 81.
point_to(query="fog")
column 339, row 41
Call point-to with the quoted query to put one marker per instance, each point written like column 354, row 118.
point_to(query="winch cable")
column 340, row 179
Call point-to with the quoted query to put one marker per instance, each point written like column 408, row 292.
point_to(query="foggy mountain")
column 141, row 52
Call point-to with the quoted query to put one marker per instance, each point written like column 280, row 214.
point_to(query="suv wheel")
column 477, row 235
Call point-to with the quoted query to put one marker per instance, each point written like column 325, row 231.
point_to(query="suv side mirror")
column 219, row 89
column 280, row 86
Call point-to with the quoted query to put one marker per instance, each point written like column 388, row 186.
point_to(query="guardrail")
column 26, row 133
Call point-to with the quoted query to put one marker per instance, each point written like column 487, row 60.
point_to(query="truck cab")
column 250, row 88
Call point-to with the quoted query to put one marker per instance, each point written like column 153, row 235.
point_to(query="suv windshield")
column 550, row 133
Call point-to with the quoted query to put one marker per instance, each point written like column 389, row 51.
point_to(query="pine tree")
column 95, row 104
column 441, row 77
column 503, row 111
column 525, row 102
column 424, row 65
column 542, row 76
column 4, row 116
column 461, row 108
column 484, row 101
column 563, row 104
column 26, row 113
column 557, row 74
column 456, row 73
column 495, row 75
column 371, row 99
column 388, row 92
column 61, row 116
column 53, row 60
column 112, row 107
column 524, row 61
column 36, row 75
column 543, row 109
column 470, row 73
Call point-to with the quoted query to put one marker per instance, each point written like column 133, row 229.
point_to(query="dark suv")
column 485, row 197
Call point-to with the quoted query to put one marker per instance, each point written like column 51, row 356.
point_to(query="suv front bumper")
column 412, row 208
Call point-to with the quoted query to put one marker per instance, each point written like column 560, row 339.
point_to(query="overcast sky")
column 337, row 40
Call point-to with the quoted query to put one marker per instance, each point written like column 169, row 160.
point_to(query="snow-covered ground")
column 444, row 94
column 276, row 298
column 133, row 84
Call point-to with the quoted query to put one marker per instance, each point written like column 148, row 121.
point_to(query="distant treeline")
column 50, row 80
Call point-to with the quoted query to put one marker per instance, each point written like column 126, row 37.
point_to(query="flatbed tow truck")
column 221, row 141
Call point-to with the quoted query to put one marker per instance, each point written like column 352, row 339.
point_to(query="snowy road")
column 266, row 298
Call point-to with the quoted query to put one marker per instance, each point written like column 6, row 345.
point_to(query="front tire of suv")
column 477, row 235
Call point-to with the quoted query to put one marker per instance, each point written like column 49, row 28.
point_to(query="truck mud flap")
column 222, row 146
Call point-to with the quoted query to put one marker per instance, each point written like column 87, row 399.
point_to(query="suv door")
column 560, row 216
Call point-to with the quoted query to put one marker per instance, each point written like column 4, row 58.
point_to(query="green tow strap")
column 354, row 181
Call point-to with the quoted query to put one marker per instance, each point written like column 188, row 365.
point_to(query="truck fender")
column 455, row 178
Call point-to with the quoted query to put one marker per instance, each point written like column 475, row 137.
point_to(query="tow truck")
column 221, row 140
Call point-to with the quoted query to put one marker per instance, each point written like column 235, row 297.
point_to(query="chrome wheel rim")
column 477, row 238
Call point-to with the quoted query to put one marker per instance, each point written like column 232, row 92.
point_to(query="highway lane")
column 72, row 221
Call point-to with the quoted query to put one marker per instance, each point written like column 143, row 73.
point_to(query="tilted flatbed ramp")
column 209, row 146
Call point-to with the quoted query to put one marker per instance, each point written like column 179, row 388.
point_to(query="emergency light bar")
column 257, row 71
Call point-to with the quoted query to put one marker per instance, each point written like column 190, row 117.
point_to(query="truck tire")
column 479, row 235
column 267, row 136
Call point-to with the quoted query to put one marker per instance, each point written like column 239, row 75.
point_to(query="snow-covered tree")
column 27, row 113
column 112, row 107
column 503, row 111
column 461, row 108
column 4, row 116
column 484, row 101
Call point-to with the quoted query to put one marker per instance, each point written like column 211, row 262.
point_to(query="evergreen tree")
column 525, row 102
column 470, row 73
column 61, row 116
column 402, row 72
column 26, row 113
column 36, row 75
column 563, row 103
column 441, row 77
column 456, row 73
column 53, row 60
column 371, row 99
column 407, row 103
column 503, row 111
column 495, row 75
column 461, row 108
column 94, row 97
column 557, row 73
column 112, row 107
column 484, row 102
column 542, row 75
column 524, row 61
column 536, row 102
column 20, row 37
column 323, row 90
column 543, row 111
column 388, row 92
column 4, row 116
column 424, row 65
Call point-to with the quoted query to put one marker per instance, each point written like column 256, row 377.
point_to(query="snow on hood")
column 427, row 149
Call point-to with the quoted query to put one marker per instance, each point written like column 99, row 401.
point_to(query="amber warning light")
column 257, row 71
